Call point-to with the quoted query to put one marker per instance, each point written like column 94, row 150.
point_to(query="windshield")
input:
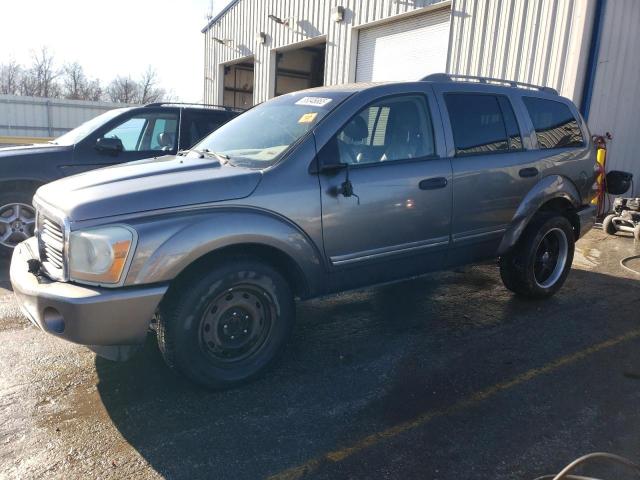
column 260, row 137
column 78, row 133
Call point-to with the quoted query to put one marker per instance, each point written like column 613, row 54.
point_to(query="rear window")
column 555, row 125
column 482, row 123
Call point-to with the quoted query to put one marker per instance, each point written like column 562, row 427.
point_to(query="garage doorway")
column 238, row 85
column 300, row 68
column 404, row 50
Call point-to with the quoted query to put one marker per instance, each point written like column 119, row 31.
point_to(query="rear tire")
column 225, row 326
column 608, row 225
column 541, row 260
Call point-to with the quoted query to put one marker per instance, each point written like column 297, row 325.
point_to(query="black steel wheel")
column 237, row 323
column 224, row 326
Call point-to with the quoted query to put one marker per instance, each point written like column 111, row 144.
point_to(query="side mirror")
column 109, row 145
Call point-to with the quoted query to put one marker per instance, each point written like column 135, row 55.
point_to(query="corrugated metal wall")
column 311, row 19
column 45, row 117
column 532, row 41
column 615, row 104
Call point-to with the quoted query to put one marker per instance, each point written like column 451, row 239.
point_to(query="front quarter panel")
column 166, row 246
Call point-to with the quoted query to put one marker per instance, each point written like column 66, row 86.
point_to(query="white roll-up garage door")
column 405, row 49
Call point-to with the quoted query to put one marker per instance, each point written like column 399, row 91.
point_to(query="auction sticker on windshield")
column 308, row 117
column 314, row 101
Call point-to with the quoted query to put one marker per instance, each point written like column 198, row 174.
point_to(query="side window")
column 482, row 123
column 555, row 125
column 163, row 135
column 513, row 131
column 199, row 126
column 147, row 132
column 396, row 128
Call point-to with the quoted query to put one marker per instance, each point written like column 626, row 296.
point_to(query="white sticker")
column 313, row 101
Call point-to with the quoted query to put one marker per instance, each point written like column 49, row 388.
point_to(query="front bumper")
column 587, row 218
column 93, row 316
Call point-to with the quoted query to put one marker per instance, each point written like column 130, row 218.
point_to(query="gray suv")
column 308, row 194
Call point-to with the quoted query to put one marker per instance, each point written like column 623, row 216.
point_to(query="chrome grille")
column 51, row 243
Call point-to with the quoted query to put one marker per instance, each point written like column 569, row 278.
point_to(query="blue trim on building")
column 594, row 51
column 219, row 16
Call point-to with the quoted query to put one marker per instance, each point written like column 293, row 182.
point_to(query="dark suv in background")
column 117, row 136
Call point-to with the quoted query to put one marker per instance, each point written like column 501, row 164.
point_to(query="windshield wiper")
column 222, row 157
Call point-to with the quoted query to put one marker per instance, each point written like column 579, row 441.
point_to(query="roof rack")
column 450, row 77
column 229, row 109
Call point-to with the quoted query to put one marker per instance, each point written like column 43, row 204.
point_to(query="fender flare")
column 191, row 237
column 549, row 188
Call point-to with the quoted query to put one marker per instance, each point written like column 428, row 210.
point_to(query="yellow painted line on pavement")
column 299, row 471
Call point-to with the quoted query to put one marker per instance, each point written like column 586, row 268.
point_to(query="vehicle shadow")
column 358, row 362
column 4, row 273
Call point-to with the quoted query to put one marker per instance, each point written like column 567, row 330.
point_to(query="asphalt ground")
column 444, row 377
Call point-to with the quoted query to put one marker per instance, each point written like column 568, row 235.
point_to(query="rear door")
column 144, row 133
column 492, row 168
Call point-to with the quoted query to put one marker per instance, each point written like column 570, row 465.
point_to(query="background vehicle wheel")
column 17, row 219
column 225, row 326
column 636, row 232
column 539, row 264
column 608, row 226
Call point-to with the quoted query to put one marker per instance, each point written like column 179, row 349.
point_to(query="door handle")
column 433, row 183
column 528, row 172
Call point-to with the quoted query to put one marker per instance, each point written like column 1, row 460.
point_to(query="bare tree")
column 123, row 90
column 42, row 79
column 149, row 92
column 28, row 85
column 10, row 77
column 74, row 81
column 44, row 74
column 94, row 91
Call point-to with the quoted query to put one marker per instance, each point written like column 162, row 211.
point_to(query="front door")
column 396, row 221
column 145, row 133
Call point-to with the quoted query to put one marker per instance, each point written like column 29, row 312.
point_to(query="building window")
column 555, row 125
column 482, row 123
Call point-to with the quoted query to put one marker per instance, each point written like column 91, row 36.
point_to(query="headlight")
column 100, row 255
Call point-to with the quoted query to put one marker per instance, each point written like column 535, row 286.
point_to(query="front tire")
column 226, row 325
column 541, row 260
column 17, row 219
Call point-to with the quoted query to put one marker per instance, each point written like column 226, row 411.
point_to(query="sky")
column 114, row 37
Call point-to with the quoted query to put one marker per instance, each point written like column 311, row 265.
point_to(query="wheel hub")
column 236, row 324
column 17, row 223
column 551, row 258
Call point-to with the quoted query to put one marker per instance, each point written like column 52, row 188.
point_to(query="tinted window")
column 199, row 125
column 555, row 125
column 513, row 131
column 397, row 128
column 479, row 124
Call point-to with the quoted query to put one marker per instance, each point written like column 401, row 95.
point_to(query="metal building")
column 586, row 49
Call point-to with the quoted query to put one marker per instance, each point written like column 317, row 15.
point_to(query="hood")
column 147, row 185
column 39, row 148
